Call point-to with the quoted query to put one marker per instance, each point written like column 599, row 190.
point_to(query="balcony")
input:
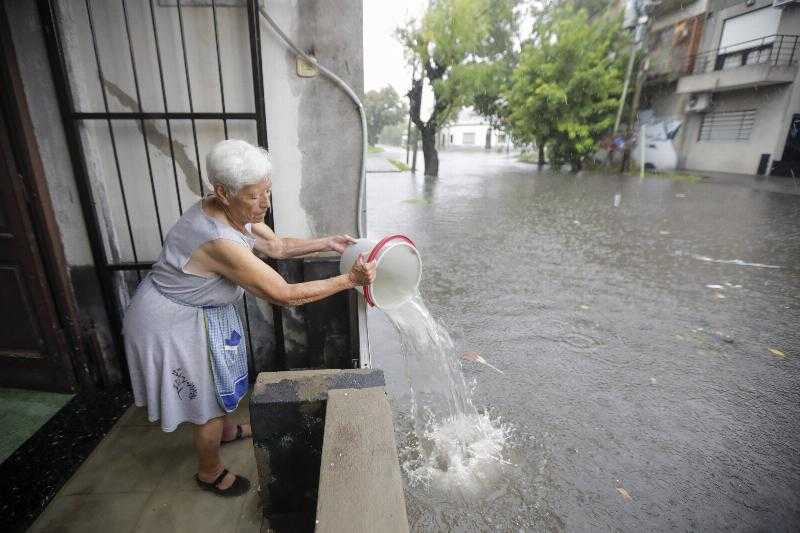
column 768, row 60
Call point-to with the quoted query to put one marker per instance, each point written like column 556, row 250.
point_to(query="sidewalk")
column 777, row 184
column 379, row 161
column 140, row 479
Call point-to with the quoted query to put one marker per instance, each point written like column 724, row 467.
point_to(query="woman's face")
column 251, row 203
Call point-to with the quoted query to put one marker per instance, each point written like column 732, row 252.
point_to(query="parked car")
column 659, row 152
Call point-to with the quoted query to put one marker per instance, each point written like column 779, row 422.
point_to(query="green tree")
column 383, row 108
column 566, row 87
column 452, row 46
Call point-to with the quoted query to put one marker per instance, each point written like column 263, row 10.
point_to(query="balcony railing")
column 777, row 50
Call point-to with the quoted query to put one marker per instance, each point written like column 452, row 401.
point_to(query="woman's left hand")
column 337, row 243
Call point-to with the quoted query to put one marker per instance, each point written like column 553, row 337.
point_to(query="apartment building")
column 728, row 71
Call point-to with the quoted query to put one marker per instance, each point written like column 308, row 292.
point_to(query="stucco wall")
column 313, row 128
column 739, row 157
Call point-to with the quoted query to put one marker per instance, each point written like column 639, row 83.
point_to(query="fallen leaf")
column 777, row 353
column 584, row 307
column 476, row 357
column 625, row 495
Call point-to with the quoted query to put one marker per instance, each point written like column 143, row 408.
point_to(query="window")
column 730, row 126
column 469, row 137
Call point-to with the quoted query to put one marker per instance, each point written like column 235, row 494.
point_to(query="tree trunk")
column 488, row 139
column 540, row 145
column 429, row 152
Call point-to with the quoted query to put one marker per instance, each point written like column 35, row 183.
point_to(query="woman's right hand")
column 362, row 273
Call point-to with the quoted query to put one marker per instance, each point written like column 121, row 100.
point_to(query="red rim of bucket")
column 374, row 253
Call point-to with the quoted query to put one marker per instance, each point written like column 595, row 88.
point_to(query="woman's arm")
column 238, row 264
column 285, row 247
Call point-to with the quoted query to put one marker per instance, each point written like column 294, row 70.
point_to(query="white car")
column 659, row 152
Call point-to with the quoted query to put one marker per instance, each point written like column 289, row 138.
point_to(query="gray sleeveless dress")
column 164, row 331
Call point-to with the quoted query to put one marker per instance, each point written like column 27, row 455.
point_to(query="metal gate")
column 146, row 87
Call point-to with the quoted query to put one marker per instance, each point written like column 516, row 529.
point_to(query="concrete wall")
column 313, row 128
column 774, row 104
column 739, row 157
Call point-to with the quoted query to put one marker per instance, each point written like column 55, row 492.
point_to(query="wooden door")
column 33, row 352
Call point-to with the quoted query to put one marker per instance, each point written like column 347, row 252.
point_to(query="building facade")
column 728, row 71
column 108, row 111
column 472, row 131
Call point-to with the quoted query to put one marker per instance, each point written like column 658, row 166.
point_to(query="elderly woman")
column 207, row 263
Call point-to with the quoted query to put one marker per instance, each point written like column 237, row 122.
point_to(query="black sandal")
column 238, row 436
column 239, row 486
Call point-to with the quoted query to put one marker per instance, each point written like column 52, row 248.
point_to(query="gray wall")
column 739, row 157
column 313, row 128
column 774, row 104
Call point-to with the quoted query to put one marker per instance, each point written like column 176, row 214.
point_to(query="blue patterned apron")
column 227, row 354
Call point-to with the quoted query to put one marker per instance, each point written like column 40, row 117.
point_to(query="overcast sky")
column 383, row 55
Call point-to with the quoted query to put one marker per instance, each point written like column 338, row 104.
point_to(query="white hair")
column 235, row 164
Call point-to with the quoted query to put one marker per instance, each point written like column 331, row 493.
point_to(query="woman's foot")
column 238, row 432
column 223, row 483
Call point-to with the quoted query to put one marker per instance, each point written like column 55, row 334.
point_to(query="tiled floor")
column 22, row 412
column 140, row 479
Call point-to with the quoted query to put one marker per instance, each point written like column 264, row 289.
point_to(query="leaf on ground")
column 625, row 495
column 777, row 353
column 476, row 357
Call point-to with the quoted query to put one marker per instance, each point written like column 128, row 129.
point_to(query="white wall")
column 740, row 157
column 312, row 127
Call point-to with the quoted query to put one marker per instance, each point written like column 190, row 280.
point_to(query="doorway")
column 789, row 165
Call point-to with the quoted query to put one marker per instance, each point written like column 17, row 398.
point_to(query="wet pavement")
column 651, row 372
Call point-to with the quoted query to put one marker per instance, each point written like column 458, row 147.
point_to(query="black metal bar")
column 55, row 54
column 166, row 107
column 794, row 48
column 133, row 115
column 258, row 75
column 110, row 128
column 191, row 104
column 144, row 129
column 123, row 267
column 219, row 65
column 261, row 134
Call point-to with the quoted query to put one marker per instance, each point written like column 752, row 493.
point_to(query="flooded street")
column 653, row 382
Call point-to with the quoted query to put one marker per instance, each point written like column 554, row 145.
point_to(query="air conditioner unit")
column 698, row 103
column 785, row 3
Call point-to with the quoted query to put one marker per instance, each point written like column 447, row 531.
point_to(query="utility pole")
column 643, row 8
column 408, row 129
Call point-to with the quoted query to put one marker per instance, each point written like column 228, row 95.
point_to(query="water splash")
column 452, row 444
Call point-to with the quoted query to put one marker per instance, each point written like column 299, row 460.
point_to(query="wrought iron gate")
column 127, row 73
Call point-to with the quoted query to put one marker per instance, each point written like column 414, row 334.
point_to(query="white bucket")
column 398, row 272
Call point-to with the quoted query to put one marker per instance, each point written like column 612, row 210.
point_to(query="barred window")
column 732, row 126
column 469, row 138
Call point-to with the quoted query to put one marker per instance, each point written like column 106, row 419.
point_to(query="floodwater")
column 650, row 350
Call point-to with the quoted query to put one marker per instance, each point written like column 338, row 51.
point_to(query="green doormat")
column 22, row 412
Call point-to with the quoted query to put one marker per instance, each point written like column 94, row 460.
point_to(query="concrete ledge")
column 360, row 486
column 287, row 412
column 737, row 78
